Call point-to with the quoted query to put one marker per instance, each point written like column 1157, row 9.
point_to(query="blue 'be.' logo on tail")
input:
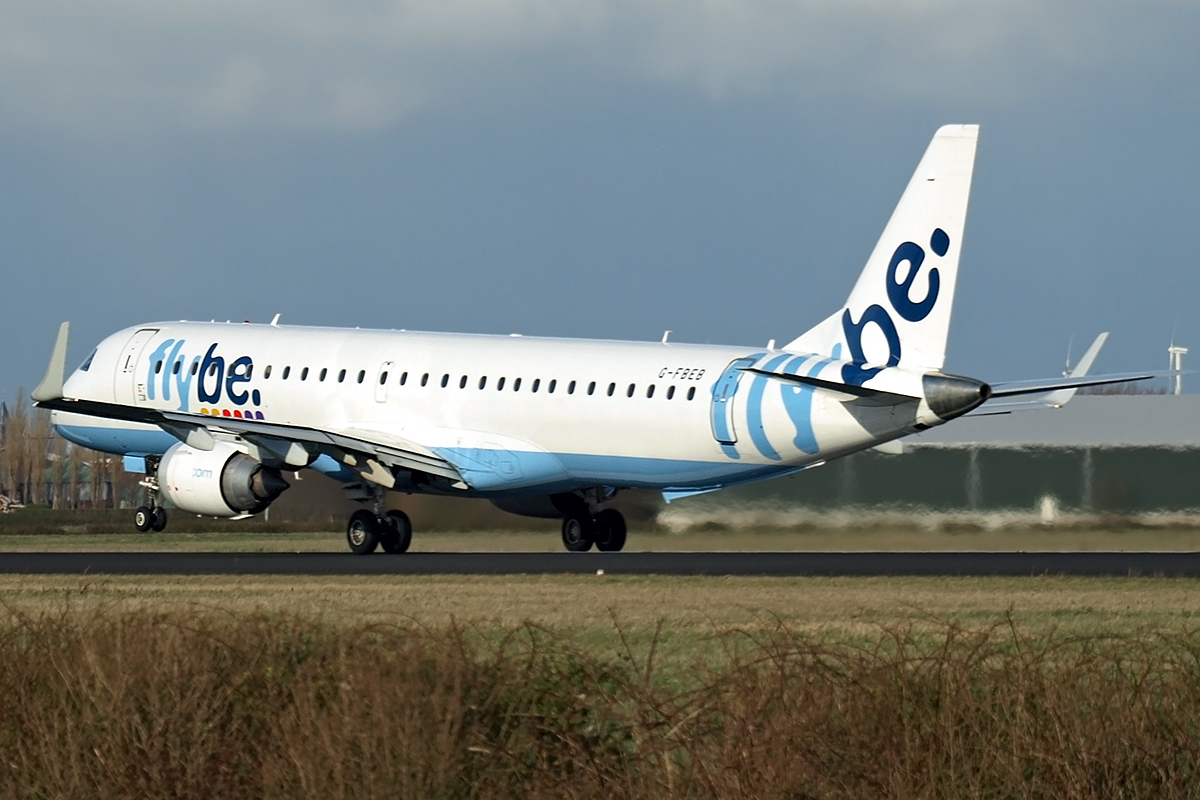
column 901, row 302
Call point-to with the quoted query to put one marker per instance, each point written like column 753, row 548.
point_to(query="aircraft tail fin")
column 899, row 311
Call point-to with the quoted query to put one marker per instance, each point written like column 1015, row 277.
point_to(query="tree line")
column 37, row 466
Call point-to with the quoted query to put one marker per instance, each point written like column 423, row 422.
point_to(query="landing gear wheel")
column 143, row 519
column 397, row 532
column 578, row 532
column 362, row 534
column 610, row 530
column 158, row 519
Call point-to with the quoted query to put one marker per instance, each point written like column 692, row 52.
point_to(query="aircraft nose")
column 951, row 396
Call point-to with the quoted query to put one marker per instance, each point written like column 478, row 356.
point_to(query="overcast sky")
column 719, row 168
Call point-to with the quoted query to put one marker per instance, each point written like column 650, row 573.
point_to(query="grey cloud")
column 143, row 65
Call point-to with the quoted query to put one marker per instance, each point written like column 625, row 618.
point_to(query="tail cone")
column 950, row 396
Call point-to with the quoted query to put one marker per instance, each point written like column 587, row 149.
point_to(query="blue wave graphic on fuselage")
column 797, row 400
column 754, row 410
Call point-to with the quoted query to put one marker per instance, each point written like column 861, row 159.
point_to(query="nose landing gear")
column 152, row 517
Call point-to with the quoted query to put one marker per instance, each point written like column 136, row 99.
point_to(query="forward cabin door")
column 129, row 383
column 722, row 404
column 382, row 380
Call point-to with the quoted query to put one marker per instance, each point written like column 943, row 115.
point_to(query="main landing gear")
column 368, row 531
column 606, row 530
column 152, row 517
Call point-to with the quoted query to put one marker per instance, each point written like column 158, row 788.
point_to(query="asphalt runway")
column 1174, row 564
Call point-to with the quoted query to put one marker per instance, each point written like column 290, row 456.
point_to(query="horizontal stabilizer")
column 1015, row 388
column 833, row 386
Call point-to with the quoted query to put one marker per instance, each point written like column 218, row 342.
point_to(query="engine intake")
column 222, row 482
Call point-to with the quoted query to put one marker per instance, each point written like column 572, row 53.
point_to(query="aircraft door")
column 126, row 388
column 722, row 404
column 382, row 380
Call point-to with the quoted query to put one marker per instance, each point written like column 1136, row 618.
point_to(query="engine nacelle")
column 222, row 482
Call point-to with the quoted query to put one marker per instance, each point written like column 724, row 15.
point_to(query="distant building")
column 1108, row 454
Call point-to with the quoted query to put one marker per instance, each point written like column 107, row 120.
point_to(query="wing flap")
column 196, row 428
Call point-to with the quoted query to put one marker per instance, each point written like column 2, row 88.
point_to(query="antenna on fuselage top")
column 275, row 322
column 666, row 335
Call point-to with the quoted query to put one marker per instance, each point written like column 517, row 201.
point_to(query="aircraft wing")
column 294, row 445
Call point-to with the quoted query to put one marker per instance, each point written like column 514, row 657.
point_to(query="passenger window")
column 670, row 392
column 303, row 374
column 500, row 385
column 550, row 388
column 403, row 378
column 483, row 382
column 629, row 391
column 462, row 382
column 517, row 385
column 158, row 366
column 612, row 387
column 249, row 371
column 691, row 392
column 592, row 388
column 425, row 379
column 341, row 375
column 196, row 366
column 571, row 387
column 445, row 380
column 650, row 391
column 383, row 378
column 536, row 383
column 267, row 372
column 286, row 371
column 362, row 373
column 324, row 372
column 175, row 369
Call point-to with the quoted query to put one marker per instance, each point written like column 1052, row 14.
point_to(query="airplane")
column 216, row 414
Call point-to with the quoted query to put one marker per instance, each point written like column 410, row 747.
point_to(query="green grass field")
column 594, row 606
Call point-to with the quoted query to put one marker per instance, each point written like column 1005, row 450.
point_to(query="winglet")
column 51, row 387
column 1061, row 397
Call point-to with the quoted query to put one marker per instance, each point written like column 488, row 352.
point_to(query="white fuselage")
column 513, row 414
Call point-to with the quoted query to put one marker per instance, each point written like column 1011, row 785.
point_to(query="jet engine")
column 222, row 482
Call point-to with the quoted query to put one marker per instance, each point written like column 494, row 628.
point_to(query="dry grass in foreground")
column 141, row 704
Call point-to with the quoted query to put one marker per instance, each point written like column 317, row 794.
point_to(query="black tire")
column 610, row 530
column 158, row 520
column 397, row 532
column 578, row 532
column 143, row 518
column 362, row 534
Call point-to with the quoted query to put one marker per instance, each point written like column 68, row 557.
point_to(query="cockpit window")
column 87, row 362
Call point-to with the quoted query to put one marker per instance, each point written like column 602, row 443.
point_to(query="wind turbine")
column 1175, row 354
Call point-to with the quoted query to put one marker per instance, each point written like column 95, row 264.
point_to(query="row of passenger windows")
column 535, row 386
column 499, row 383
